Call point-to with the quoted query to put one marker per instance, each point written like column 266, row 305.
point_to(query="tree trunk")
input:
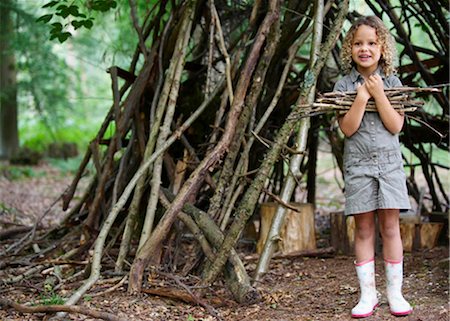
column 9, row 134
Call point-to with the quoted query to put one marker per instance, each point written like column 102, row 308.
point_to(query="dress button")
column 372, row 123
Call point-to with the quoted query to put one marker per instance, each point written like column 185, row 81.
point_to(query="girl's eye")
column 372, row 43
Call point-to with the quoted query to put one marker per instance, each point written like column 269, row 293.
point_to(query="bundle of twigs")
column 399, row 97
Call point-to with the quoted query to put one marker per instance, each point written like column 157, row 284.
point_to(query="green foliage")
column 64, row 91
column 66, row 15
column 66, row 166
column 87, row 298
column 42, row 78
column 16, row 173
column 51, row 298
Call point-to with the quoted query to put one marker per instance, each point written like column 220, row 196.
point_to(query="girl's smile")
column 366, row 51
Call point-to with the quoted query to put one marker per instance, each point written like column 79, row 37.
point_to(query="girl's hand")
column 375, row 87
column 362, row 92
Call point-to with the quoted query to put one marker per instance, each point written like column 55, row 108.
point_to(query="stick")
column 180, row 295
column 59, row 308
column 197, row 300
column 309, row 253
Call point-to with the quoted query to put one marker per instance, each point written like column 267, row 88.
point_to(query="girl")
column 375, row 182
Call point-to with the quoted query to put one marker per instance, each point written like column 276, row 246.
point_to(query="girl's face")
column 366, row 51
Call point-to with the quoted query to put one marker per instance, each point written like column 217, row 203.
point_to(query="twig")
column 279, row 200
column 224, row 51
column 111, row 289
column 138, row 28
column 180, row 295
column 60, row 308
column 14, row 231
column 325, row 252
column 29, row 237
column 197, row 300
column 210, row 52
column 342, row 101
column 427, row 125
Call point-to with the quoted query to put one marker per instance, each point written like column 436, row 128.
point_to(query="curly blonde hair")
column 388, row 51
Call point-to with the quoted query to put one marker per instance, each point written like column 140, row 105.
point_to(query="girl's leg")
column 390, row 232
column 364, row 236
column 393, row 260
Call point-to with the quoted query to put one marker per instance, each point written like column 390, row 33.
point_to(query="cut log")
column 298, row 232
column 342, row 233
column 408, row 233
column 429, row 234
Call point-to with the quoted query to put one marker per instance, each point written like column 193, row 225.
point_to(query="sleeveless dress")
column 373, row 166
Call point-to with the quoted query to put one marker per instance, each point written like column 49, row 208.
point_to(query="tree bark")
column 9, row 133
column 236, row 276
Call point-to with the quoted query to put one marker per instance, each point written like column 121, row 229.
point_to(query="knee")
column 390, row 231
column 365, row 231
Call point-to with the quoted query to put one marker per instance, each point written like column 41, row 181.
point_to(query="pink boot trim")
column 393, row 261
column 365, row 315
column 401, row 314
column 364, row 262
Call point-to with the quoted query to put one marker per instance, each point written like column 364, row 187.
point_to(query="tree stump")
column 298, row 231
column 342, row 233
column 429, row 234
column 408, row 233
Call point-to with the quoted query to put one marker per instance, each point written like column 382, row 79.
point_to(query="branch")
column 59, row 308
column 137, row 27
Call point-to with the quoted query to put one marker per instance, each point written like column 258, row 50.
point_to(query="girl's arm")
column 392, row 120
column 350, row 122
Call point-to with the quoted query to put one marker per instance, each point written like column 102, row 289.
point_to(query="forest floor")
column 297, row 288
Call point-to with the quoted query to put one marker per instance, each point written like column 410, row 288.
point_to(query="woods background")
column 206, row 121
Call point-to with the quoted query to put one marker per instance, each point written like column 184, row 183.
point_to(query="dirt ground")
column 297, row 288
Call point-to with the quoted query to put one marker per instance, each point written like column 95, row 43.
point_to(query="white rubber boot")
column 368, row 300
column 394, row 279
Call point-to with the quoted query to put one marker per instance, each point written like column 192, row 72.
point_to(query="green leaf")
column 51, row 4
column 88, row 24
column 62, row 7
column 73, row 10
column 103, row 5
column 77, row 24
column 57, row 26
column 63, row 11
column 63, row 36
column 45, row 18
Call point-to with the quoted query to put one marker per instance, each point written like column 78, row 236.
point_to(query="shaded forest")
column 209, row 121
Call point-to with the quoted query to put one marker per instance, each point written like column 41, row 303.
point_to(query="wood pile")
column 399, row 97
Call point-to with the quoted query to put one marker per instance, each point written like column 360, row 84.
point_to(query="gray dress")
column 373, row 166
